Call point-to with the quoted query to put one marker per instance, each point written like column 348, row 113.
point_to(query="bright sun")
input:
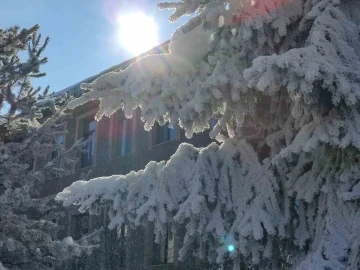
column 138, row 32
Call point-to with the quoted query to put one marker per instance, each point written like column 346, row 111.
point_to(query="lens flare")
column 231, row 248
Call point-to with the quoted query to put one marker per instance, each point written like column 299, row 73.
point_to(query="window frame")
column 116, row 134
column 77, row 224
column 87, row 158
column 154, row 132
column 122, row 233
column 125, row 138
column 76, row 228
column 213, row 122
column 79, row 133
column 53, row 155
column 163, row 253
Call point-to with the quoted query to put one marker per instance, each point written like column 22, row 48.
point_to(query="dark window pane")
column 164, row 250
column 164, row 134
column 122, row 244
column 172, row 134
column 55, row 154
column 213, row 122
column 79, row 264
column 80, row 224
column 87, row 158
column 80, row 228
column 59, row 140
column 92, row 126
column 126, row 136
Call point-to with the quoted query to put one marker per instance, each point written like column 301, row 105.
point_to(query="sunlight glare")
column 138, row 32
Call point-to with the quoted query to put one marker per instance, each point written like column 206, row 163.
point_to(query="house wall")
column 138, row 242
column 108, row 162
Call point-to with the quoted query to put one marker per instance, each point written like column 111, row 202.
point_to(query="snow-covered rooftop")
column 75, row 88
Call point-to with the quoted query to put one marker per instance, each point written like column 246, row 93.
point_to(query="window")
column 122, row 233
column 79, row 264
column 88, row 132
column 126, row 136
column 212, row 123
column 55, row 154
column 122, row 135
column 80, row 225
column 31, row 164
column 164, row 134
column 60, row 141
column 163, row 252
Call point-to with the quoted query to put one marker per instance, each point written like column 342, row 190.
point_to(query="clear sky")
column 84, row 34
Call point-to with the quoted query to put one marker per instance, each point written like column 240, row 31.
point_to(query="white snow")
column 282, row 79
column 68, row 241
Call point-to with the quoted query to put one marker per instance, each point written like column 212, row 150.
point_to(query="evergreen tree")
column 280, row 189
column 30, row 123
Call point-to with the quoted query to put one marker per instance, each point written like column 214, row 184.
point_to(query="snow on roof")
column 76, row 90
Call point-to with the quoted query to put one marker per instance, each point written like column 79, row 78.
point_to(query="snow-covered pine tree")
column 282, row 77
column 30, row 124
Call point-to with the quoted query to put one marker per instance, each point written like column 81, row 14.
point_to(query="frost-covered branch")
column 282, row 79
column 30, row 125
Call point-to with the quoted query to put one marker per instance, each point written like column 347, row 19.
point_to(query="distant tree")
column 31, row 122
column 281, row 188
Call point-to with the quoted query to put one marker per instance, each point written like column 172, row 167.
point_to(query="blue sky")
column 82, row 32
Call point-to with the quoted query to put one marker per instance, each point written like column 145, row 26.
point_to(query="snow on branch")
column 193, row 187
column 282, row 79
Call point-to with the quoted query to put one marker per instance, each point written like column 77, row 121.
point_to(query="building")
column 118, row 146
